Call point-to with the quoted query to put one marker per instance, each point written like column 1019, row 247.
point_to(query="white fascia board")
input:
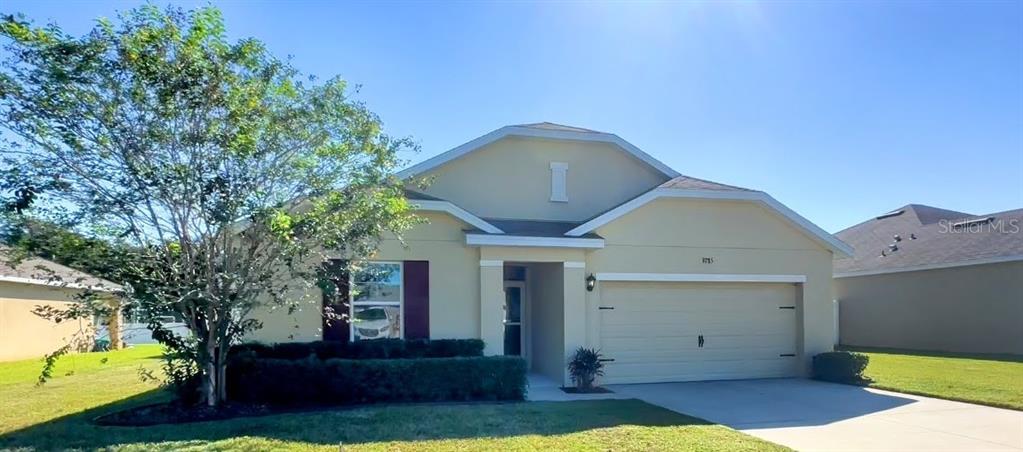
column 530, row 132
column 822, row 236
column 56, row 284
column 700, row 277
column 491, row 263
column 916, row 268
column 547, row 242
column 457, row 212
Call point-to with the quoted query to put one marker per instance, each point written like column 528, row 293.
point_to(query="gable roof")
column 39, row 271
column 538, row 130
column 938, row 243
column 693, row 188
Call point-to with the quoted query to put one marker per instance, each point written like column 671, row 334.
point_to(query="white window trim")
column 400, row 303
column 559, row 170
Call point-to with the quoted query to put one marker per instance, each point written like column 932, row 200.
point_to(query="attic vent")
column 893, row 213
column 968, row 223
column 559, row 176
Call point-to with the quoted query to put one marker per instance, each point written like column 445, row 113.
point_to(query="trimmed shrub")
column 312, row 381
column 375, row 349
column 840, row 367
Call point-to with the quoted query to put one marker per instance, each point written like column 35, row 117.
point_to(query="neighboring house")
column 33, row 283
column 932, row 279
column 544, row 238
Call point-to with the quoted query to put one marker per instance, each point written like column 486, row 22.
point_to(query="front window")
column 376, row 301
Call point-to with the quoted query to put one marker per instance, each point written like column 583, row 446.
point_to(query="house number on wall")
column 708, row 260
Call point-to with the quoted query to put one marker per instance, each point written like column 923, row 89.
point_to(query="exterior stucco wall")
column 974, row 309
column 24, row 335
column 454, row 285
column 511, row 178
column 675, row 235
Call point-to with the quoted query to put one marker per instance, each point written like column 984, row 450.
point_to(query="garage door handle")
column 699, row 341
column 606, row 360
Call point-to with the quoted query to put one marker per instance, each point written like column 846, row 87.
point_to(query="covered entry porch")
column 533, row 304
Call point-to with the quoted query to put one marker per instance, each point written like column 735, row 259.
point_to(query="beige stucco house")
column 31, row 283
column 543, row 238
column 933, row 279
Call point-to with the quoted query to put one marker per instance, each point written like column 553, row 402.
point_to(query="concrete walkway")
column 811, row 415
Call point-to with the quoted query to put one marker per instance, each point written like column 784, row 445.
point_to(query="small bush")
column 374, row 349
column 312, row 381
column 840, row 367
column 585, row 367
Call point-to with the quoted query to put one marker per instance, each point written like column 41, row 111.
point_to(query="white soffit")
column 530, row 132
column 700, row 277
column 457, row 212
column 547, row 242
column 814, row 231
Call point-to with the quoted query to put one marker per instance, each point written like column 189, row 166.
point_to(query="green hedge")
column 313, row 381
column 840, row 367
column 374, row 349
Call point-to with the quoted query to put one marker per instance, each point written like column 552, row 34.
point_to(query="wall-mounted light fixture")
column 591, row 282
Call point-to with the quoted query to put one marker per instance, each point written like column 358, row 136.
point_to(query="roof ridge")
column 675, row 180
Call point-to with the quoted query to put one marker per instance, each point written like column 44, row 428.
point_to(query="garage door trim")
column 700, row 277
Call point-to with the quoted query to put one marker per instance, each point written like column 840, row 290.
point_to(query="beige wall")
column 24, row 335
column 546, row 320
column 974, row 309
column 511, row 178
column 674, row 235
column 454, row 285
column 665, row 236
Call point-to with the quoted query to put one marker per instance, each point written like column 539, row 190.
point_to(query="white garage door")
column 657, row 332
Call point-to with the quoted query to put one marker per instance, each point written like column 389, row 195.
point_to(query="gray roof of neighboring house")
column 42, row 271
column 937, row 241
column 692, row 183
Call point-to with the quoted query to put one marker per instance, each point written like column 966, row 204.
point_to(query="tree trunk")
column 209, row 388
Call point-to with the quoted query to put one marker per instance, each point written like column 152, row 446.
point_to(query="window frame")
column 400, row 303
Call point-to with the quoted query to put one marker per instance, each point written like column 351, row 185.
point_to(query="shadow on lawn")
column 354, row 425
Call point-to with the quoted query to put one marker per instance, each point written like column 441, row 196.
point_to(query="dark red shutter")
column 416, row 279
column 336, row 326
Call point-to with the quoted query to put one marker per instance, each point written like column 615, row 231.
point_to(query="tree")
column 228, row 176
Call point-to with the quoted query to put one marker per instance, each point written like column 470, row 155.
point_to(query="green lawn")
column 988, row 380
column 56, row 416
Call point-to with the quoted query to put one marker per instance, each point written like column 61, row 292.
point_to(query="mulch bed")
column 175, row 413
column 593, row 390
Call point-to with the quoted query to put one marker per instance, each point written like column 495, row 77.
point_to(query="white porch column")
column 492, row 306
column 575, row 312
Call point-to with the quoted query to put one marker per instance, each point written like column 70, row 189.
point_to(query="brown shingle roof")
column 41, row 271
column 692, row 183
column 553, row 126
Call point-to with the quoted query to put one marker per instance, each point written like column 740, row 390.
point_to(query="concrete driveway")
column 812, row 415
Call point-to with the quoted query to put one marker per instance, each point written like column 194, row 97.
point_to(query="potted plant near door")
column 584, row 367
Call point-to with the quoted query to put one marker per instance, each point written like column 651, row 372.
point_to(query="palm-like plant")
column 586, row 365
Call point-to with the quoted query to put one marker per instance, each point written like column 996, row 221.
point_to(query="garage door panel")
column 653, row 331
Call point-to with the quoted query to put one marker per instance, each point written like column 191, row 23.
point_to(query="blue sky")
column 840, row 110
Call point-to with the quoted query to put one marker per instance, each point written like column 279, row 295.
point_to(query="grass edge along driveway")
column 992, row 380
column 90, row 386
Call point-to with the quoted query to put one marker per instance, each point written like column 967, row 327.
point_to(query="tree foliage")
column 227, row 175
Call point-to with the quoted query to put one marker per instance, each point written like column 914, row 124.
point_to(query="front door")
column 514, row 304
